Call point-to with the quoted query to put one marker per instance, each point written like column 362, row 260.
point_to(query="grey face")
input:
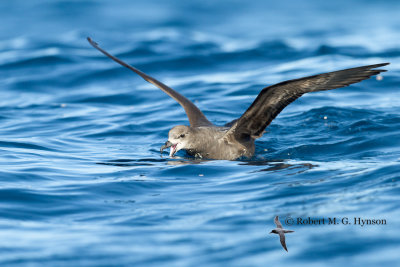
column 177, row 139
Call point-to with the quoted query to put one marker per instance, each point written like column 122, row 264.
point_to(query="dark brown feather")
column 273, row 99
column 194, row 114
column 283, row 241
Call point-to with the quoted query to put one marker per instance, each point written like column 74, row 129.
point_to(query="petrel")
column 281, row 232
column 236, row 138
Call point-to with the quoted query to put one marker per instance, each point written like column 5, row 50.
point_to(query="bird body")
column 281, row 232
column 237, row 138
column 211, row 142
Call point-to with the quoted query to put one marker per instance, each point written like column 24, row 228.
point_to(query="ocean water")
column 82, row 181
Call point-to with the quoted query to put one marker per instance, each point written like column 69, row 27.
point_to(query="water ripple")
column 82, row 181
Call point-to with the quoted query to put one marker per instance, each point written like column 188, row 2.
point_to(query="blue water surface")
column 82, row 182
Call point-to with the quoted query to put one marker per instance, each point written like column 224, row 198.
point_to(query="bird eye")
column 182, row 135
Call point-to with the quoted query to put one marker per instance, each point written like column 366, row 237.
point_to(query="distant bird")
column 236, row 138
column 281, row 232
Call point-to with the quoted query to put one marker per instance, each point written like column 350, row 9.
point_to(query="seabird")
column 236, row 138
column 281, row 232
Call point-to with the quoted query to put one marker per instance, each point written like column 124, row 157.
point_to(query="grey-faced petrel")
column 281, row 232
column 236, row 138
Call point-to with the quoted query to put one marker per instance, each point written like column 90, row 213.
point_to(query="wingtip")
column 379, row 65
column 91, row 41
column 374, row 69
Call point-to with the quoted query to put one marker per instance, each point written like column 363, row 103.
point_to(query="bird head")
column 178, row 138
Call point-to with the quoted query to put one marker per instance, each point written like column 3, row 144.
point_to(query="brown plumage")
column 281, row 232
column 236, row 139
column 273, row 99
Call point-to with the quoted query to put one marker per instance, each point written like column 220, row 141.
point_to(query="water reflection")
column 152, row 162
column 130, row 162
column 271, row 165
column 278, row 164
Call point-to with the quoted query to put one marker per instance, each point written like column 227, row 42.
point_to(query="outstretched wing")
column 277, row 222
column 196, row 117
column 273, row 99
column 282, row 239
